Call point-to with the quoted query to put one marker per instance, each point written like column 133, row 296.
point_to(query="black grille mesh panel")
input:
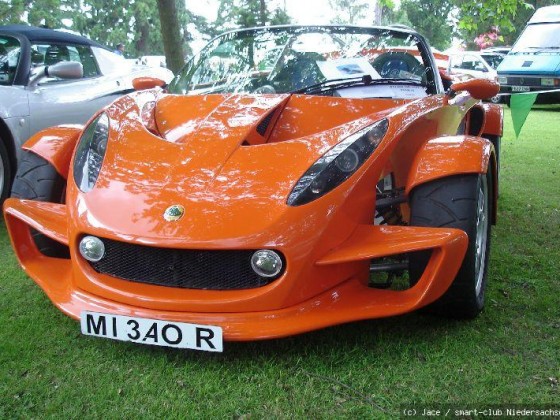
column 524, row 81
column 188, row 269
column 263, row 125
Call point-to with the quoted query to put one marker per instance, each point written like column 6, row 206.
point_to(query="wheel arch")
column 55, row 145
column 493, row 121
column 454, row 155
column 8, row 140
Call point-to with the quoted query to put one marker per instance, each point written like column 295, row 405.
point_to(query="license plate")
column 152, row 331
column 520, row 88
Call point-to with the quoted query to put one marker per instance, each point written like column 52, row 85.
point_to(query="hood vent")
column 527, row 64
column 263, row 125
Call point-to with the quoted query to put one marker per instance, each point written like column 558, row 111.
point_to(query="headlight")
column 502, row 80
column 338, row 164
column 90, row 153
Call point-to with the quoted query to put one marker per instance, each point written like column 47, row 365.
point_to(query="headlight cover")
column 90, row 153
column 338, row 164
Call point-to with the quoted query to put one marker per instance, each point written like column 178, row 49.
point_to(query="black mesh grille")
column 189, row 269
column 263, row 125
column 524, row 81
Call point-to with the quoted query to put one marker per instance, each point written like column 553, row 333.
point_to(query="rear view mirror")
column 143, row 83
column 477, row 88
column 62, row 70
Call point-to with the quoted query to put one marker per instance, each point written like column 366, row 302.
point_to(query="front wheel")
column 36, row 179
column 461, row 202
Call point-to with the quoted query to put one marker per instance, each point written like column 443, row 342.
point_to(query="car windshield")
column 288, row 59
column 9, row 57
column 493, row 60
column 538, row 37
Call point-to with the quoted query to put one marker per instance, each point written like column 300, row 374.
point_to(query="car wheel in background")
column 5, row 172
column 462, row 202
column 36, row 179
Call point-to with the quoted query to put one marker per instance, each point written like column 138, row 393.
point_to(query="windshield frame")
column 433, row 81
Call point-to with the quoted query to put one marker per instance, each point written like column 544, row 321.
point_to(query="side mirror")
column 62, row 70
column 477, row 88
column 143, row 83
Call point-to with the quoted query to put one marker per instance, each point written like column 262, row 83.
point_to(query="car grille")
column 180, row 268
column 524, row 81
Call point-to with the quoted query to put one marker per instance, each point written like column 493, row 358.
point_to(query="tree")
column 515, row 21
column 431, row 19
column 247, row 13
column 349, row 11
column 49, row 13
column 171, row 33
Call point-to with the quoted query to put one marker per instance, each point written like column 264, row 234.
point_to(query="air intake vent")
column 180, row 268
column 263, row 125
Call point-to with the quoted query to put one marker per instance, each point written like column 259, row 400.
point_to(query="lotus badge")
column 174, row 213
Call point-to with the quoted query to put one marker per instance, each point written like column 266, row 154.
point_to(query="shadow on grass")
column 373, row 336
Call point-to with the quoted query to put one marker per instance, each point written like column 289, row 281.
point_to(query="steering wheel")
column 391, row 64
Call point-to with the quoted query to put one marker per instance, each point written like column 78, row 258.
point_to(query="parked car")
column 32, row 98
column 477, row 64
column 533, row 64
column 338, row 181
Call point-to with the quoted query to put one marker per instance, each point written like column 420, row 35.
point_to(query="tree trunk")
column 171, row 34
column 262, row 13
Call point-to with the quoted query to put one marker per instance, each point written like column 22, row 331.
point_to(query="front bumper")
column 350, row 300
column 548, row 93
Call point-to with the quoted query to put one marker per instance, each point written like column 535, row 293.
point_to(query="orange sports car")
column 288, row 179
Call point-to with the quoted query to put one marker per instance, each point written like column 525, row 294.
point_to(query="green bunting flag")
column 520, row 104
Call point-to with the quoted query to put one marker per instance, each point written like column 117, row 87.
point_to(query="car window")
column 287, row 59
column 471, row 62
column 44, row 54
column 493, row 60
column 9, row 58
column 455, row 61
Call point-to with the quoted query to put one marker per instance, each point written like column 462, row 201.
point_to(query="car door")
column 53, row 101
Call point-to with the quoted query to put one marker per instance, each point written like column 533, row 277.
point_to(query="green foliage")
column 110, row 22
column 498, row 12
column 431, row 19
column 520, row 19
column 248, row 13
column 349, row 11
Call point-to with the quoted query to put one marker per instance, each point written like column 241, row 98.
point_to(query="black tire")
column 462, row 202
column 497, row 142
column 5, row 172
column 36, row 179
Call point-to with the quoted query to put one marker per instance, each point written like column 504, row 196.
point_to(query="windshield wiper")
column 366, row 80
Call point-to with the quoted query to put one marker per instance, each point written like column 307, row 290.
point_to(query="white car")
column 475, row 64
column 32, row 98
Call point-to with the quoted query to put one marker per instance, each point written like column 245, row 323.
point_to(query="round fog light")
column 92, row 248
column 266, row 263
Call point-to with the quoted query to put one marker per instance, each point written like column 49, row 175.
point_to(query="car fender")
column 56, row 145
column 454, row 155
column 494, row 121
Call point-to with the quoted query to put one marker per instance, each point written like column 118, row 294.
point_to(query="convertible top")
column 34, row 33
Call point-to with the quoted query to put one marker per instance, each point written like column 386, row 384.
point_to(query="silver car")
column 50, row 77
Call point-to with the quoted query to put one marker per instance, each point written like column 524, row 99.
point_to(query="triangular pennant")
column 520, row 104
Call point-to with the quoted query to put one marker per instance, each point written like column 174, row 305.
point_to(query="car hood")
column 228, row 160
column 524, row 63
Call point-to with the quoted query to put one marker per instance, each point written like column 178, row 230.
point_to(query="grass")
column 508, row 355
